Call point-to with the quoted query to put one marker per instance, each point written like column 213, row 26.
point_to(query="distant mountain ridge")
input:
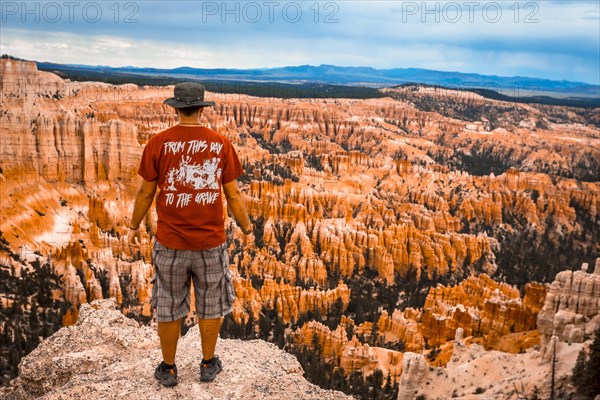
column 364, row 76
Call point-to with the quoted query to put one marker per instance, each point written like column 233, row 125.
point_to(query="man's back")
column 190, row 165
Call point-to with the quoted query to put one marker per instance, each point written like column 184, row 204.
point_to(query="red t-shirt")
column 190, row 163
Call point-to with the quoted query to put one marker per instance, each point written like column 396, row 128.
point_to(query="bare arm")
column 143, row 201
column 235, row 201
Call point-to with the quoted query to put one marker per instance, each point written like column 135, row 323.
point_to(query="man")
column 190, row 164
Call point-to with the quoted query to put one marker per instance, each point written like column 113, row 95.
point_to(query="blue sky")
column 547, row 39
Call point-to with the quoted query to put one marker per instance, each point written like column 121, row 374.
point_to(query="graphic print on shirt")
column 196, row 176
column 205, row 174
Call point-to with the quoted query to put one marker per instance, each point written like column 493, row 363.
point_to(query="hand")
column 134, row 236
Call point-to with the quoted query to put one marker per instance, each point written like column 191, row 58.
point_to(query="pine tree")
column 586, row 373
column 388, row 388
column 375, row 334
column 592, row 370
column 579, row 370
column 249, row 327
column 279, row 333
column 553, row 373
column 33, row 315
column 16, row 308
column 264, row 325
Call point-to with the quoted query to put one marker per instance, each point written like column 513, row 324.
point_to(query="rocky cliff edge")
column 106, row 355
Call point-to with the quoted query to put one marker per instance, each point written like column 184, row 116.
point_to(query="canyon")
column 381, row 226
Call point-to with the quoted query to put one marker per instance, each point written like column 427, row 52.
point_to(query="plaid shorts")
column 173, row 272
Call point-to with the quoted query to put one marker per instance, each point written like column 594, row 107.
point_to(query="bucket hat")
column 188, row 94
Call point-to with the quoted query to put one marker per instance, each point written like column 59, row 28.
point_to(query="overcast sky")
column 546, row 39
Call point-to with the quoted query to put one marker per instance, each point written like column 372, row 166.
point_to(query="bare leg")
column 169, row 333
column 209, row 332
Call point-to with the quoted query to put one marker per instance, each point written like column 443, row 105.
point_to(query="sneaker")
column 166, row 376
column 208, row 372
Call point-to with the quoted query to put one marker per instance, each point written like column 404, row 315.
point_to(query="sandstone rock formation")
column 411, row 219
column 474, row 373
column 572, row 307
column 478, row 306
column 472, row 115
column 290, row 302
column 50, row 130
column 350, row 355
column 106, row 355
column 403, row 326
column 568, row 318
column 414, row 367
column 480, row 309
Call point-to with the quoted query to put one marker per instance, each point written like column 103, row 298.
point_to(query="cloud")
column 557, row 40
column 101, row 50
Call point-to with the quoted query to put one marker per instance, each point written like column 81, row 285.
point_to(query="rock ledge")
column 108, row 356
